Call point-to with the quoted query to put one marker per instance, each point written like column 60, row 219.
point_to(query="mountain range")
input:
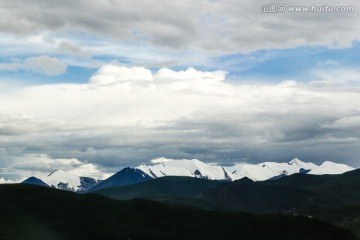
column 64, row 180
column 274, row 192
column 34, row 212
column 190, row 168
column 332, row 198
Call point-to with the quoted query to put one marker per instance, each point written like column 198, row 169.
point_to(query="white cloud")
column 114, row 73
column 191, row 80
column 337, row 77
column 41, row 64
column 160, row 160
column 40, row 165
column 6, row 181
column 190, row 75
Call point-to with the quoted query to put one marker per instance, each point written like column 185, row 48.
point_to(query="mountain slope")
column 267, row 170
column 35, row 181
column 126, row 176
column 191, row 168
column 33, row 212
column 256, row 172
column 63, row 180
column 346, row 216
column 257, row 197
column 328, row 167
column 285, row 194
column 330, row 198
column 68, row 181
column 165, row 186
column 86, row 183
column 344, row 188
column 187, row 168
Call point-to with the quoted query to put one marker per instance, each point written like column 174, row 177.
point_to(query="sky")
column 93, row 86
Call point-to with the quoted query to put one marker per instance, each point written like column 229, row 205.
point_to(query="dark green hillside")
column 257, row 197
column 342, row 188
column 331, row 198
column 33, row 212
column 298, row 191
column 345, row 216
column 125, row 177
column 165, row 186
column 300, row 194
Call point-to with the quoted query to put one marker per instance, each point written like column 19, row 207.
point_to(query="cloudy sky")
column 92, row 86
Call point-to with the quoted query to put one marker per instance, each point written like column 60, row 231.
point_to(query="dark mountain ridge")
column 127, row 176
column 35, row 181
column 33, row 212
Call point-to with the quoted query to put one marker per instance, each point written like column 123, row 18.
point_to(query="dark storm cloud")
column 115, row 148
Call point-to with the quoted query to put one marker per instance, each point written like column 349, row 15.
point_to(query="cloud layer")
column 162, row 23
column 125, row 116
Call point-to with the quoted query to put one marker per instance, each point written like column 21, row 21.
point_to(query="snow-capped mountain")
column 63, row 180
column 267, row 170
column 68, row 181
column 189, row 168
column 256, row 172
column 331, row 168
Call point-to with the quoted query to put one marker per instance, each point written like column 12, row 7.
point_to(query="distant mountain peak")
column 329, row 167
column 257, row 172
column 245, row 180
column 191, row 168
column 66, row 180
column 63, row 180
column 126, row 176
column 185, row 167
column 296, row 161
column 35, row 181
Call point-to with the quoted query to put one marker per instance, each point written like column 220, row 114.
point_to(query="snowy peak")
column 255, row 172
column 69, row 181
column 328, row 167
column 189, row 168
column 304, row 167
column 63, row 180
column 268, row 170
column 297, row 162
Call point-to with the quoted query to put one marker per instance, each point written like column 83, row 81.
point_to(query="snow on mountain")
column 63, row 180
column 267, row 170
column 189, row 168
column 256, row 172
column 69, row 181
column 331, row 168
